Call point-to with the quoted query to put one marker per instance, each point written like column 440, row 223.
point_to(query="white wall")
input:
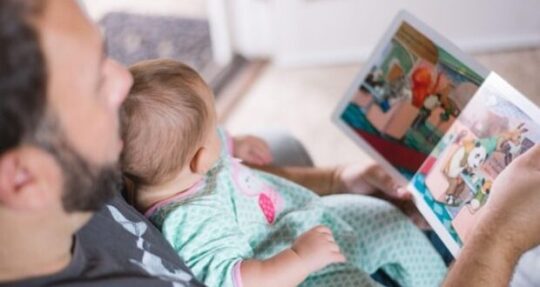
column 299, row 32
column 253, row 28
column 186, row 8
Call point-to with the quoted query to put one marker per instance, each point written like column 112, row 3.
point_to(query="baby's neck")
column 150, row 195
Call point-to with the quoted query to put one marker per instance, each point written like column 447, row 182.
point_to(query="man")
column 59, row 144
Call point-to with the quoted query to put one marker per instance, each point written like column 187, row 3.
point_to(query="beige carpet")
column 302, row 100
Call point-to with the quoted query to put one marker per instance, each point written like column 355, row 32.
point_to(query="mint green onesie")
column 236, row 213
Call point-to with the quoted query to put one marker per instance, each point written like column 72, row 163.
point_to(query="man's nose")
column 122, row 82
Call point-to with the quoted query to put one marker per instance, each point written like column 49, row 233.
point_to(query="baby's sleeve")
column 210, row 243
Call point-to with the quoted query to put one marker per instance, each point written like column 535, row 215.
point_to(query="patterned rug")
column 132, row 38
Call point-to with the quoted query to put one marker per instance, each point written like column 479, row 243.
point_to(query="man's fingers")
column 535, row 150
column 259, row 149
column 391, row 188
column 532, row 157
column 256, row 158
column 378, row 177
column 264, row 151
column 420, row 222
column 403, row 193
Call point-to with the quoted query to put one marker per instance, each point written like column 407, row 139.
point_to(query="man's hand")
column 508, row 225
column 513, row 207
column 375, row 181
column 368, row 180
column 252, row 150
column 317, row 249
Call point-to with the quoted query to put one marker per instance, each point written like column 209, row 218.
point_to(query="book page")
column 453, row 184
column 407, row 96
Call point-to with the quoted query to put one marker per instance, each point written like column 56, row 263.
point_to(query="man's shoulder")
column 121, row 233
column 118, row 247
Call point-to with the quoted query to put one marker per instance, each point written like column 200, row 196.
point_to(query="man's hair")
column 164, row 119
column 24, row 117
column 23, row 80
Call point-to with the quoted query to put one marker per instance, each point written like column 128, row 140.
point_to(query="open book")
column 438, row 122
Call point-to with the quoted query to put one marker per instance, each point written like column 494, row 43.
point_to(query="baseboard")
column 359, row 55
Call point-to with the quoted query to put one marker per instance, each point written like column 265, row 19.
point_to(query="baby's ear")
column 201, row 161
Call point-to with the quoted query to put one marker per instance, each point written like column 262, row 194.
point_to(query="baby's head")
column 168, row 125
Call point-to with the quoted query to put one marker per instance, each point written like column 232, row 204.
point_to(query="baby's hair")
column 164, row 119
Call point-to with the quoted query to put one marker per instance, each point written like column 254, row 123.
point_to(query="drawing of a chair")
column 396, row 121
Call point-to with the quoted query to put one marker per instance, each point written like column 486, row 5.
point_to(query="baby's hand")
column 317, row 249
column 252, row 150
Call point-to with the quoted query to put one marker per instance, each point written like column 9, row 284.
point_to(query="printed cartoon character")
column 467, row 159
column 430, row 103
column 424, row 86
column 376, row 79
column 389, row 89
column 511, row 143
column 481, row 196
column 249, row 184
column 421, row 83
column 395, row 84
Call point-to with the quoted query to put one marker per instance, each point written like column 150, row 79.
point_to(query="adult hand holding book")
column 507, row 227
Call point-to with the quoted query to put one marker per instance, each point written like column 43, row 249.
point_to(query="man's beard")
column 86, row 187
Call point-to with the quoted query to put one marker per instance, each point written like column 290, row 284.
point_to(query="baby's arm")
column 312, row 251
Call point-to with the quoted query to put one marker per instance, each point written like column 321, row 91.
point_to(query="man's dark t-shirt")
column 118, row 247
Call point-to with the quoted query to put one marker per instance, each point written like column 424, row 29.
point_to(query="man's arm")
column 322, row 181
column 487, row 259
column 507, row 227
column 366, row 179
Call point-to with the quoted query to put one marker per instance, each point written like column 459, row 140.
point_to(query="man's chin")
column 88, row 189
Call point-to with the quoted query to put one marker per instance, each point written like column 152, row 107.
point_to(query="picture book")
column 438, row 122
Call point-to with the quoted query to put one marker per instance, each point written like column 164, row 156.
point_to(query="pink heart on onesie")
column 267, row 207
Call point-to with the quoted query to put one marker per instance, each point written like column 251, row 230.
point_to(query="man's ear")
column 23, row 185
column 201, row 161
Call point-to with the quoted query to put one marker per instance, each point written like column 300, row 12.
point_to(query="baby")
column 236, row 226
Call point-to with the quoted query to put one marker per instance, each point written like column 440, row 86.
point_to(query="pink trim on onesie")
column 236, row 275
column 230, row 142
column 177, row 197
